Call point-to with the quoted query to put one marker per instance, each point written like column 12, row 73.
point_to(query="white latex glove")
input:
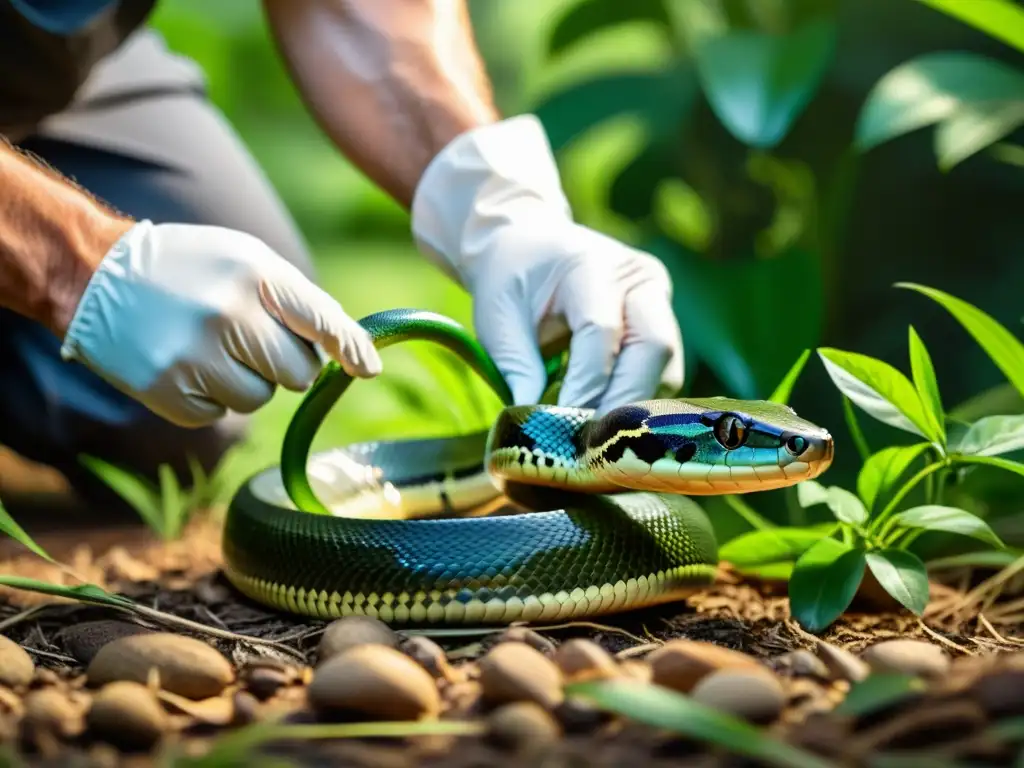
column 490, row 210
column 194, row 320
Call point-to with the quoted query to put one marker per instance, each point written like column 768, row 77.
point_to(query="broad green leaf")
column 935, row 517
column 974, row 128
column 759, row 83
column 1001, row 19
column 666, row 709
column 879, row 389
column 879, row 691
column 824, row 582
column 902, row 575
column 660, row 99
column 883, row 470
column 846, row 507
column 769, row 546
column 932, row 88
column 784, row 391
column 9, row 526
column 810, row 493
column 926, row 384
column 591, row 16
column 992, row 435
column 1005, row 350
column 137, row 491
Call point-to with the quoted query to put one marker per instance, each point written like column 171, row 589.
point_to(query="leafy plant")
column 874, row 527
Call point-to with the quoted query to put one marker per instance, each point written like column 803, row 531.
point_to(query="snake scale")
column 554, row 513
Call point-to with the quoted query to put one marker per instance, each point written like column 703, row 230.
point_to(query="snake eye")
column 796, row 444
column 730, row 431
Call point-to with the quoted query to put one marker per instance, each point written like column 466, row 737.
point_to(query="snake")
column 553, row 513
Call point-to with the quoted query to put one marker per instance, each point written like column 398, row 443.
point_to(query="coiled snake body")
column 601, row 525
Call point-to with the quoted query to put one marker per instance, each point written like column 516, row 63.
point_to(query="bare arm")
column 390, row 81
column 52, row 236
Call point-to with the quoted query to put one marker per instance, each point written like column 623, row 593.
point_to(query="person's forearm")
column 390, row 81
column 52, row 237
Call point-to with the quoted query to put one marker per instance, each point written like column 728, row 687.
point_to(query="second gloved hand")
column 193, row 321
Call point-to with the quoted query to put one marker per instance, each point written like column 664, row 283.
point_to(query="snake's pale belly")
column 615, row 528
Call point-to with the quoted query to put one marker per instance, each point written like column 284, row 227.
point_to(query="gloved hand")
column 490, row 210
column 194, row 320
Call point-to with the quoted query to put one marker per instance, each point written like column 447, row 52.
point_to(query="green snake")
column 592, row 520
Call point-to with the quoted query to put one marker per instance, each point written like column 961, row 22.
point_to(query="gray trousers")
column 143, row 137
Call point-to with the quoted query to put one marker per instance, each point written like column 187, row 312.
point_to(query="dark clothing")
column 139, row 134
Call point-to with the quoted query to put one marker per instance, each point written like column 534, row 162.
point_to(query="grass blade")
column 16, row 532
column 137, row 491
column 663, row 708
column 784, row 391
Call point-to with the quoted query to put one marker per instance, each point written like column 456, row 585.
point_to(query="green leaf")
column 1001, row 19
column 992, row 435
column 770, row 546
column 994, row 461
column 926, row 384
column 974, row 128
column 172, row 502
column 9, row 526
column 810, row 493
column 661, row 99
column 86, row 593
column 634, row 191
column 1005, row 350
column 784, row 391
column 137, row 491
column 824, row 582
column 878, row 389
column 666, row 709
column 846, row 507
column 902, row 574
column 879, row 691
column 883, row 470
column 932, row 88
column 935, row 517
column 759, row 83
column 590, row 16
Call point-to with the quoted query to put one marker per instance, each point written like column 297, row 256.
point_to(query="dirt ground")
column 182, row 578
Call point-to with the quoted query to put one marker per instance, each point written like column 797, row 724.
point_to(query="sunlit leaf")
column 759, row 83
column 142, row 495
column 666, row 709
column 1001, row 19
column 824, row 582
column 993, row 435
column 784, row 391
column 974, row 128
column 770, row 546
column 878, row 692
column 883, row 470
column 879, row 389
column 931, row 88
column 810, row 493
column 846, row 507
column 926, row 384
column 173, row 502
column 9, row 526
column 902, row 574
column 995, row 461
column 1005, row 350
column 583, row 19
column 935, row 517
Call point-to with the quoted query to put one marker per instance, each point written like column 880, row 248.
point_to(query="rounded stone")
column 352, row 631
column 756, row 696
column 907, row 657
column 514, row 671
column 16, row 667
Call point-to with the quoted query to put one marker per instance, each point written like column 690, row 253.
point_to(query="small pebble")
column 1000, row 693
column 351, row 631
column 128, row 715
column 513, row 671
column 681, row 664
column 50, row 711
column 803, row 663
column 16, row 666
column 756, row 696
column 525, row 635
column 186, row 666
column 635, row 669
column 521, row 726
column 580, row 660
column 377, row 681
column 907, row 657
column 578, row 715
column 246, row 708
column 428, row 655
column 842, row 665
column 83, row 641
column 264, row 682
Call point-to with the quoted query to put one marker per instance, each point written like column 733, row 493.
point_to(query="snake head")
column 701, row 446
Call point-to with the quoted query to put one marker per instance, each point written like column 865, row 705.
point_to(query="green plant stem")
column 882, row 523
column 855, row 431
column 748, row 513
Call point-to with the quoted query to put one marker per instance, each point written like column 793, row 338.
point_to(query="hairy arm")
column 390, row 81
column 52, row 237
